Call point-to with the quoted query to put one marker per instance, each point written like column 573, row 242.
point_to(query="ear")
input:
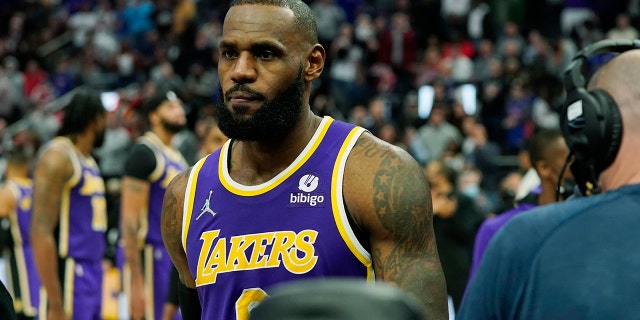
column 152, row 117
column 315, row 63
column 542, row 168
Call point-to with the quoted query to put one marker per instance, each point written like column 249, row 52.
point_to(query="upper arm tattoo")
column 401, row 204
column 405, row 253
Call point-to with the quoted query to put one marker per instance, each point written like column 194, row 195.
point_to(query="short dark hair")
column 152, row 103
column 541, row 143
column 304, row 19
column 18, row 156
column 85, row 106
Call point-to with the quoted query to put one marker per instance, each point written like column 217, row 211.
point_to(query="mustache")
column 244, row 89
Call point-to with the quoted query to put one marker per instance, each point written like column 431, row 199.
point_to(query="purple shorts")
column 81, row 289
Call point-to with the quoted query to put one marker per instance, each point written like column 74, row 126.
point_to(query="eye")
column 229, row 54
column 266, row 55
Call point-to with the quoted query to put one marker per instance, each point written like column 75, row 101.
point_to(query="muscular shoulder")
column 54, row 158
column 178, row 186
column 381, row 180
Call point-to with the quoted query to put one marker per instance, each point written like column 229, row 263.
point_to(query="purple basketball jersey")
column 83, row 210
column 241, row 240
column 24, row 282
column 169, row 162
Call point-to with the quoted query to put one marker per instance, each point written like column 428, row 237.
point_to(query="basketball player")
column 211, row 138
column 69, row 213
column 151, row 164
column 16, row 199
column 291, row 195
column 548, row 152
column 577, row 259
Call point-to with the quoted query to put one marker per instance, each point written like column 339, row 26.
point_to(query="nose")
column 244, row 69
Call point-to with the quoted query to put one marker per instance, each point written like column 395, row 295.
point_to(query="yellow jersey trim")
column 337, row 203
column 248, row 191
column 69, row 276
column 189, row 196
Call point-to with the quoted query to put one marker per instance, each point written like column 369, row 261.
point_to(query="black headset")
column 590, row 120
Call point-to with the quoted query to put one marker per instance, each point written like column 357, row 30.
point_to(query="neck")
column 547, row 194
column 164, row 135
column 260, row 161
column 17, row 173
column 624, row 170
column 83, row 142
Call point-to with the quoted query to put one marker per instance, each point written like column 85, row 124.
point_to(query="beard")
column 171, row 126
column 271, row 122
column 98, row 141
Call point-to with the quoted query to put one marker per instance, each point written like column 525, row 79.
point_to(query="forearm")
column 131, row 247
column 45, row 254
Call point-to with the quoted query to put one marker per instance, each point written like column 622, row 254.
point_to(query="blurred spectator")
column 82, row 23
column 62, row 81
column 484, row 156
column 455, row 12
column 389, row 132
column 511, row 42
column 431, row 139
column 470, row 184
column 398, row 50
column 455, row 222
column 345, row 69
column 430, row 68
column 165, row 79
column 459, row 65
column 483, row 59
column 7, row 108
column 11, row 70
column 330, row 18
column 365, row 35
column 543, row 111
column 518, row 122
column 478, row 23
column 378, row 111
column 575, row 14
column 623, row 29
column 209, row 136
column 34, row 76
column 138, row 20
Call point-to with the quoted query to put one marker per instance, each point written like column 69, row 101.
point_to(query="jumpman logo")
column 206, row 207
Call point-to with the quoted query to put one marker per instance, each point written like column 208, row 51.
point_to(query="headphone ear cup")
column 610, row 129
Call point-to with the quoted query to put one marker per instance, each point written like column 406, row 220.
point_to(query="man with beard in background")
column 70, row 213
column 151, row 165
column 291, row 195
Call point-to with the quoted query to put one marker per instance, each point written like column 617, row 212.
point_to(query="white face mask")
column 472, row 190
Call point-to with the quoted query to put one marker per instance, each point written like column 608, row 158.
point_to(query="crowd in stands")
column 461, row 83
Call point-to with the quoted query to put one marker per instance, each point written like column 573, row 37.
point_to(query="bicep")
column 172, row 207
column 400, row 223
column 392, row 202
column 52, row 172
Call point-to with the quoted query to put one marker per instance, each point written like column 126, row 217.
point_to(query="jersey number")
column 99, row 219
column 248, row 300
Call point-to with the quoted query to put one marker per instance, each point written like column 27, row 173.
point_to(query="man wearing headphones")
column 576, row 259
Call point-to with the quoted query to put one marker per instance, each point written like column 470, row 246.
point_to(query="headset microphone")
column 590, row 120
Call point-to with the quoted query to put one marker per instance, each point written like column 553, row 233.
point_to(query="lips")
column 238, row 97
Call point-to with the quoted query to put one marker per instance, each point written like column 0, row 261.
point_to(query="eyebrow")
column 256, row 46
